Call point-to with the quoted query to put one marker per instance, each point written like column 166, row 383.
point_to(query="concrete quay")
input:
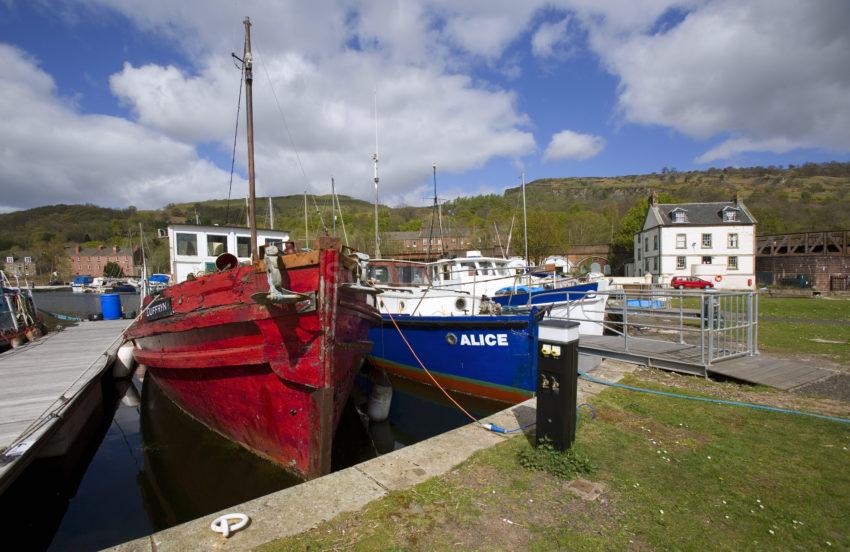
column 302, row 507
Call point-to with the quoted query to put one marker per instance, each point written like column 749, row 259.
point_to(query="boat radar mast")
column 375, row 159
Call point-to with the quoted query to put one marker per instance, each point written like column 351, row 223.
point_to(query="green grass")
column 794, row 335
column 678, row 475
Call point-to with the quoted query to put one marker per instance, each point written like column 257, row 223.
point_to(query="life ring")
column 718, row 278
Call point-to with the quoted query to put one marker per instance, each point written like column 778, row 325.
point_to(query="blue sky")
column 118, row 103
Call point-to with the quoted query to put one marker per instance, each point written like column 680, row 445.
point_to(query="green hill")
column 561, row 211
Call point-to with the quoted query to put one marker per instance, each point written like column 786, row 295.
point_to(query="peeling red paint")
column 270, row 378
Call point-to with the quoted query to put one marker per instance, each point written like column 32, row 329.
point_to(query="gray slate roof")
column 697, row 214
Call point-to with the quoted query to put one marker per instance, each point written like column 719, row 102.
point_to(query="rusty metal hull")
column 274, row 379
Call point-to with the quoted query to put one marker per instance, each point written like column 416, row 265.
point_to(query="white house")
column 714, row 241
column 193, row 249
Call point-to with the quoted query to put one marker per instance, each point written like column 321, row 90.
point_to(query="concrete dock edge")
column 300, row 508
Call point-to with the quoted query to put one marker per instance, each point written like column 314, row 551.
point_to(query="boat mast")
column 144, row 263
column 271, row 215
column 306, row 234
column 498, row 239
column 248, row 64
column 333, row 206
column 524, row 220
column 439, row 213
column 375, row 159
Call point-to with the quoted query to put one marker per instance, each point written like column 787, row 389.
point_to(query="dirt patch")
column 836, row 387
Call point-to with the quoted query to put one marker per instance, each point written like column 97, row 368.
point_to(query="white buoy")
column 125, row 363
column 131, row 397
column 380, row 400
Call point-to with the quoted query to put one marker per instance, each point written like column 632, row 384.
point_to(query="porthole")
column 460, row 304
column 451, row 339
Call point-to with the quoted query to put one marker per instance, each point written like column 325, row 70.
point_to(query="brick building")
column 92, row 260
column 415, row 244
column 820, row 260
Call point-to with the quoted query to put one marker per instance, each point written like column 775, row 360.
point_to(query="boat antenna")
column 341, row 219
column 248, row 65
column 524, row 219
column 375, row 160
column 510, row 235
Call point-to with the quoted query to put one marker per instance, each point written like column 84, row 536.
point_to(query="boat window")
column 446, row 272
column 216, row 245
column 379, row 274
column 243, row 246
column 187, row 244
column 469, row 267
column 485, row 268
column 411, row 275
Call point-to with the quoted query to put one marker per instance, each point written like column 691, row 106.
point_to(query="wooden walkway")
column 761, row 369
column 34, row 377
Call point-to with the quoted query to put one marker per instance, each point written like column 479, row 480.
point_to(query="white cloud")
column 52, row 154
column 548, row 36
column 572, row 145
column 773, row 73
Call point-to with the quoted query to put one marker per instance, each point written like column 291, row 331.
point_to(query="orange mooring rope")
column 440, row 387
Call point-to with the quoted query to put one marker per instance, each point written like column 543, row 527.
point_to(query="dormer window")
column 27, row 260
column 730, row 214
column 10, row 260
column 678, row 215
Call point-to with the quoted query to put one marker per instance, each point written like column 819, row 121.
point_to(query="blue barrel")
column 110, row 306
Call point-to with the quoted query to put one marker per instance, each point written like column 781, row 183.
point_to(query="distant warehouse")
column 817, row 260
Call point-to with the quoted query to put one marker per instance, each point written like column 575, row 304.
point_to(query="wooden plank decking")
column 763, row 369
column 33, row 377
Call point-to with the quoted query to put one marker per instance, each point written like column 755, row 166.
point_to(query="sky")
column 120, row 102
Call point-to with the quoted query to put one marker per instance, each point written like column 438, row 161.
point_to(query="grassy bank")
column 677, row 475
column 809, row 326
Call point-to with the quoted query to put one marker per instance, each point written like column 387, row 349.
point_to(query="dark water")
column 143, row 465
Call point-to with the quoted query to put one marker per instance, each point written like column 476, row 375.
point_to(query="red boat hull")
column 273, row 378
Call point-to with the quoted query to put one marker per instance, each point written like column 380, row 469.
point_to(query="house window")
column 678, row 216
column 646, row 245
column 730, row 215
column 277, row 242
column 733, row 241
column 216, row 245
column 706, row 241
column 655, row 242
column 655, row 264
column 638, row 254
column 10, row 259
column 733, row 263
column 243, row 246
column 27, row 260
column 706, row 259
column 187, row 244
column 681, row 241
column 680, row 263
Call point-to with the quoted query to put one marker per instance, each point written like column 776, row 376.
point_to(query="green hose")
column 590, row 378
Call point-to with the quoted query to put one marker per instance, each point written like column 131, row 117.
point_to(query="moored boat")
column 265, row 353
column 491, row 356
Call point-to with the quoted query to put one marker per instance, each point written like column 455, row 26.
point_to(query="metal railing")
column 707, row 325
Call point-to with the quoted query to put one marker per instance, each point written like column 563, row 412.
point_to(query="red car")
column 691, row 282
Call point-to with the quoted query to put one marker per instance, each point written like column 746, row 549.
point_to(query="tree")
column 112, row 270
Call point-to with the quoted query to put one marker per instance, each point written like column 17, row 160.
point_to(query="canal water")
column 79, row 305
column 143, row 465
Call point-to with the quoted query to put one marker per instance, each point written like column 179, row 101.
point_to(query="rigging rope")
column 233, row 155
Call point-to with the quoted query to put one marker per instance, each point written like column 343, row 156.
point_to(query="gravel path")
column 836, row 387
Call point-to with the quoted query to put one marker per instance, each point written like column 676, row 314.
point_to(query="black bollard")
column 557, row 382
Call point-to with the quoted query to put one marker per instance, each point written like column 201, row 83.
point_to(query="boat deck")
column 760, row 369
column 40, row 382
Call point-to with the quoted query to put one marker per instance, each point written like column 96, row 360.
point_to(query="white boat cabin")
column 193, row 249
column 485, row 274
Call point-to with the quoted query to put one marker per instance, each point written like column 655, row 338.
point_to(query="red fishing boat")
column 265, row 354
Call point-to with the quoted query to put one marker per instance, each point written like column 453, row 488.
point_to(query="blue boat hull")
column 519, row 299
column 487, row 356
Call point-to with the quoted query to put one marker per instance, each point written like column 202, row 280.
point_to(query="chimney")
column 738, row 199
column 78, row 249
column 653, row 197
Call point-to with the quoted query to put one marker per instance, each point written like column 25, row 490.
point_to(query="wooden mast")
column 249, row 109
